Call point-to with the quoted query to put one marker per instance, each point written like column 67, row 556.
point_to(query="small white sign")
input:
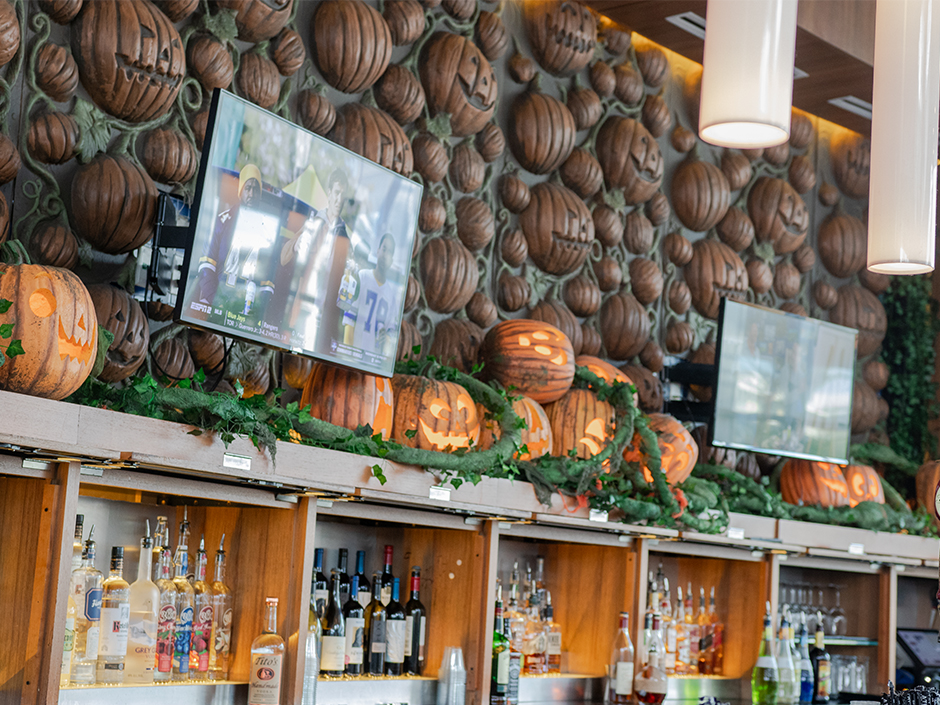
column 597, row 515
column 439, row 493
column 236, row 462
column 736, row 533
column 857, row 549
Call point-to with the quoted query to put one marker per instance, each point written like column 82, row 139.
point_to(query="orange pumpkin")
column 864, row 484
column 811, row 482
column 54, row 317
column 533, row 356
column 296, row 370
column 677, row 448
column 349, row 399
column 605, row 371
column 536, row 436
column 441, row 414
column 580, row 422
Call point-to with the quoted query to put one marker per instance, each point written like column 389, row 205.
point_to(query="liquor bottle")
column 718, row 636
column 514, row 616
column 395, row 628
column 387, row 577
column 499, row 676
column 68, row 642
column 365, row 588
column 377, row 630
column 705, row 636
column 821, row 661
column 553, row 637
column 267, row 660
column 312, row 659
column 342, row 576
column 515, row 665
column 620, row 671
column 321, row 588
column 354, row 615
column 694, row 631
column 529, row 586
column 534, row 641
column 539, row 584
column 185, row 605
column 77, row 545
column 650, row 684
column 765, row 677
column 161, row 543
column 416, row 624
column 806, row 665
column 86, row 591
column 670, row 634
column 115, row 614
column 788, row 688
column 333, row 650
column 513, row 587
column 220, row 641
column 682, row 635
column 202, row 618
column 166, row 619
column 142, row 626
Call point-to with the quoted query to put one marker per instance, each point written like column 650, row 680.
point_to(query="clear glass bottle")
column 220, row 644
column 395, row 626
column 670, row 634
column 534, row 641
column 333, row 651
column 499, row 676
column 515, row 665
column 717, row 636
column 806, row 665
column 650, row 684
column 682, row 635
column 552, row 636
column 142, row 627
column 646, row 637
column 202, row 618
column 166, row 619
column 185, row 605
column 539, row 585
column 78, row 546
column 86, row 591
column 376, row 629
column 267, row 660
column 321, row 588
column 620, row 670
column 788, row 688
column 68, row 642
column 355, row 617
column 312, row 659
column 694, row 631
column 161, row 543
column 387, row 576
column 365, row 587
column 705, row 636
column 765, row 678
column 822, row 666
column 416, row 626
column 115, row 615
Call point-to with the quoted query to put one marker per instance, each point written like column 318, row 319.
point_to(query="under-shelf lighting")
column 902, row 209
column 747, row 78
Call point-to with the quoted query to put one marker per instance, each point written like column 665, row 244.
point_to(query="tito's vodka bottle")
column 267, row 660
column 142, row 627
column 86, row 591
column 202, row 618
column 115, row 615
column 166, row 619
column 220, row 645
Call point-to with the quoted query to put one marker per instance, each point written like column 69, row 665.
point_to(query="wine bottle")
column 387, row 577
column 354, row 615
column 376, row 629
column 499, row 678
column 320, row 590
column 765, row 677
column 333, row 650
column 822, row 673
column 142, row 626
column 267, row 660
column 415, row 627
column 395, row 633
column 620, row 670
column 365, row 588
column 343, row 576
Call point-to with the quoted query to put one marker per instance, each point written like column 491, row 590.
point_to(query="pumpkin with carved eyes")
column 130, row 58
column 54, row 317
column 373, row 134
column 851, row 163
column 562, row 34
column 120, row 313
column 580, row 422
column 811, row 482
column 630, row 158
column 349, row 398
column 779, row 214
column 442, row 415
column 558, row 228
column 533, row 356
column 458, row 80
column 864, row 485
column 677, row 449
column 715, row 271
column 536, row 436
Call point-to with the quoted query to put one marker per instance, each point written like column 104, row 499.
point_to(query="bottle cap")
column 270, row 600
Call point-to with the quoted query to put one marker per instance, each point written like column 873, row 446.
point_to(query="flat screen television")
column 295, row 242
column 784, row 384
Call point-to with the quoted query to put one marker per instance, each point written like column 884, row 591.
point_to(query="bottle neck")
column 342, row 561
column 270, row 618
column 498, row 618
column 202, row 564
column 625, row 623
column 145, row 564
column 219, row 567
column 117, row 568
column 318, row 560
column 88, row 555
column 165, row 565
column 354, row 589
column 395, row 589
column 820, row 639
column 388, row 560
column 361, row 562
column 376, row 587
column 415, row 586
column 336, row 596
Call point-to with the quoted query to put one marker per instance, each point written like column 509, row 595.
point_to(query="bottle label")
column 114, row 630
column 386, row 594
column 683, row 652
column 670, row 661
column 322, row 597
column 823, row 680
column 515, row 668
column 182, row 643
column 166, row 637
column 142, row 642
column 502, row 668
column 202, row 633
column 91, row 642
column 623, row 678
column 93, row 604
column 333, row 653
column 355, row 628
column 377, row 638
column 395, row 639
column 671, row 639
column 264, row 683
column 69, row 643
column 364, row 597
column 409, row 633
column 766, row 662
column 554, row 644
column 421, row 635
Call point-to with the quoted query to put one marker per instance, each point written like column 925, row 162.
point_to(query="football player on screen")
column 376, row 301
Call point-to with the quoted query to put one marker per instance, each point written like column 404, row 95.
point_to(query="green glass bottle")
column 765, row 676
column 499, row 687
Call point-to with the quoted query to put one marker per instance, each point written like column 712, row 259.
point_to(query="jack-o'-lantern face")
column 646, row 158
column 563, row 35
column 677, row 449
column 433, row 415
column 537, row 435
column 383, row 407
column 76, row 333
column 851, row 163
column 450, row 426
column 457, row 79
column 715, row 271
column 477, row 79
column 548, row 343
column 582, row 424
column 124, row 318
column 864, row 485
column 829, row 475
column 575, row 236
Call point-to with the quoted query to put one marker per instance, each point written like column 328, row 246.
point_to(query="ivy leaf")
column 200, row 376
column 411, row 433
column 5, row 305
column 15, row 348
column 84, row 253
column 439, row 126
column 6, row 330
column 105, row 338
column 195, row 432
column 765, row 251
column 221, row 24
column 378, row 474
column 615, row 199
column 94, row 128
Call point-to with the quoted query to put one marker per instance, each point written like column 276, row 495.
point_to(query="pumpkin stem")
column 13, row 252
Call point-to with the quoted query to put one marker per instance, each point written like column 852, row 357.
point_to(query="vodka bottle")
column 166, row 619
column 202, row 618
column 267, row 660
column 220, row 644
column 142, row 627
column 185, row 604
column 115, row 616
column 86, row 592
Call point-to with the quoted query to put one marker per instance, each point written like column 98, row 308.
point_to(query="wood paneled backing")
column 887, row 629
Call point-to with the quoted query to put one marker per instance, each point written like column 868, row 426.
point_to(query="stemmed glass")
column 838, row 624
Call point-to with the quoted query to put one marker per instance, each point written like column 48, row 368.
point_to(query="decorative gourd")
column 432, row 214
column 208, row 353
column 177, row 10
column 786, row 280
column 350, row 399
column 851, row 162
column 603, row 80
column 828, row 194
column 399, row 93
column 801, row 129
column 591, row 344
column 638, row 233
column 514, row 193
column 169, row 157
column 430, row 157
column 778, row 154
column 736, row 168
column 258, row 80
column 715, row 270
column 457, row 343
column 556, row 314
column 801, row 174
column 449, row 274
column 683, row 140
column 521, row 68
column 759, row 275
column 608, row 227
column 656, row 115
column 52, row 138
column 704, row 354
column 405, row 19
column 582, row 173
column 585, row 106
column 630, row 158
column 865, row 411
column 543, row 132
column 602, row 369
column 373, row 134
column 804, row 259
column 779, row 214
column 514, row 248
column 609, row 274
column 811, row 482
column 657, row 209
column 736, row 229
column 581, row 423
column 491, row 142
column 53, row 245
column 481, row 310
column 562, row 35
column 558, row 229
column 467, row 169
column 680, row 298
column 652, row 356
column 412, row 293
column 9, row 159
column 114, row 204
column 843, row 244
column 59, row 11
column 794, row 308
column 316, row 112
column 536, row 435
column 408, row 339
column 864, row 485
column 653, row 64
column 54, row 317
column 513, row 292
column 624, row 326
column 679, row 337
column 618, row 41
column 257, row 20
column 119, row 312
column 459, row 9
column 130, row 58
column 56, row 72
column 859, row 308
column 876, row 374
column 288, row 52
column 648, row 387
column 582, row 296
column 678, row 249
column 210, row 62
column 475, row 223
column 825, row 295
column 491, row 35
column 458, row 80
column 535, row 357
column 629, row 86
column 646, row 280
column 352, row 44
column 172, row 360
column 700, row 194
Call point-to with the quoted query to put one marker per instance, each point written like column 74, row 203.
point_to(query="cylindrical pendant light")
column 902, row 207
column 747, row 80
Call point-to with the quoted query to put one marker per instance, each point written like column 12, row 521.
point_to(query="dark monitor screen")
column 296, row 242
column 784, row 383
column 922, row 644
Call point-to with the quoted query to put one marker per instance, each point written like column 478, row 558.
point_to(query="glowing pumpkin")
column 536, row 436
column 441, row 415
column 580, row 422
column 678, row 450
column 605, row 371
column 811, row 482
column 864, row 485
column 534, row 357
column 349, row 399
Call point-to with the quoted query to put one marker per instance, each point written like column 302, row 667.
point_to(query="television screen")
column 296, row 242
column 784, row 383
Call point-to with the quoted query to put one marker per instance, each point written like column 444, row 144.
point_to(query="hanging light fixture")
column 747, row 78
column 902, row 207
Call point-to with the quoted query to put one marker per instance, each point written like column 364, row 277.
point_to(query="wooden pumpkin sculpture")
column 257, row 20
column 779, row 214
column 864, row 485
column 536, row 436
column 543, row 132
column 130, row 58
column 625, row 326
column 535, row 357
column 449, row 274
column 442, row 414
column 169, row 157
column 630, row 158
column 648, row 386
column 54, row 317
column 53, row 137
column 209, row 62
column 9, row 32
column 580, row 422
column 700, row 194
column 457, row 343
column 458, row 80
column 56, row 72
column 859, row 308
column 843, row 244
column 555, row 313
column 558, row 228
column 562, row 34
column 120, row 313
column 349, row 398
column 715, row 271
column 605, row 371
column 851, row 163
column 53, row 245
column 352, row 44
column 582, row 295
column 677, row 448
column 208, row 351
column 811, row 482
column 372, row 133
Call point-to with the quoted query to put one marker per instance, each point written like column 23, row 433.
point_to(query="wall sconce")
column 902, row 209
column 747, row 78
